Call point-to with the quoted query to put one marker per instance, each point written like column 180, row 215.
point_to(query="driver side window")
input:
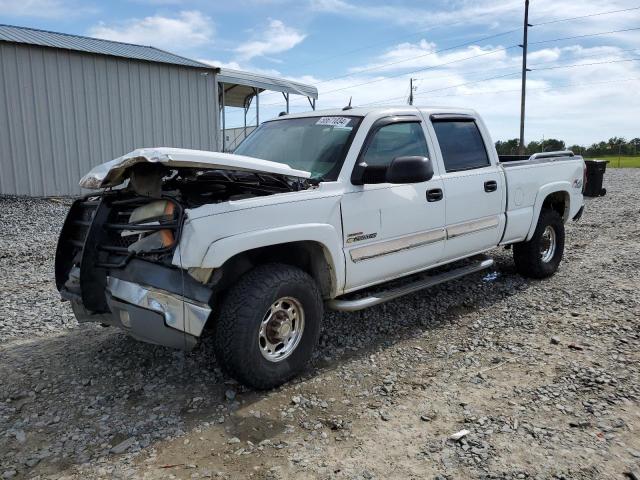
column 396, row 140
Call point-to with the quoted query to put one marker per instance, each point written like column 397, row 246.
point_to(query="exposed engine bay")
column 142, row 219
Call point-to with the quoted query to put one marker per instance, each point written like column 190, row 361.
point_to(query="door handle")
column 490, row 186
column 434, row 195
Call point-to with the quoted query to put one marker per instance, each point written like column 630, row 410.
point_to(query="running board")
column 385, row 296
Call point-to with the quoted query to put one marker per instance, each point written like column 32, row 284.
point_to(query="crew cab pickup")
column 342, row 209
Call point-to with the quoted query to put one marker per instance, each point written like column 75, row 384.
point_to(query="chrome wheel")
column 548, row 244
column 281, row 329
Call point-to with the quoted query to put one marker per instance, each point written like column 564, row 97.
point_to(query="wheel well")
column 311, row 257
column 558, row 201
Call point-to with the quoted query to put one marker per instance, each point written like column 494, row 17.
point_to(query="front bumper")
column 151, row 302
column 178, row 312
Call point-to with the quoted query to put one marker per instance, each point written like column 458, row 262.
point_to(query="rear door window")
column 461, row 145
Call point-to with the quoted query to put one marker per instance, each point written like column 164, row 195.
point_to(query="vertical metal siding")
column 63, row 112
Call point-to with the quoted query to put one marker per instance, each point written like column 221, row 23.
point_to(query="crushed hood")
column 113, row 173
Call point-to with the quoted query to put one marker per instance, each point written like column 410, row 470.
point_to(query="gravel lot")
column 544, row 376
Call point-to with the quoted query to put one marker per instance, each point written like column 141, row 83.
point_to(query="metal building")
column 68, row 103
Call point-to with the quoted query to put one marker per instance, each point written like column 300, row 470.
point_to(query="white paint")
column 335, row 211
column 113, row 173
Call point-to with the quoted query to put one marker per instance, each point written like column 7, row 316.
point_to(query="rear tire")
column 541, row 256
column 268, row 325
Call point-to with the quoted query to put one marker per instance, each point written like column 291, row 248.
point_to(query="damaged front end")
column 115, row 259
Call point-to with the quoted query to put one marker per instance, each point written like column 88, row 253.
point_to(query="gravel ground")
column 539, row 379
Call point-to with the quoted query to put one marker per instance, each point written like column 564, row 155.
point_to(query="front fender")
column 326, row 235
column 543, row 193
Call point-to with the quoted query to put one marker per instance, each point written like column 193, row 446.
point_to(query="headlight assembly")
column 153, row 214
column 157, row 210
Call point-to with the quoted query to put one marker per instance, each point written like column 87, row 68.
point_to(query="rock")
column 555, row 340
column 234, row 440
column 21, row 437
column 9, row 474
column 123, row 446
column 230, row 395
column 459, row 435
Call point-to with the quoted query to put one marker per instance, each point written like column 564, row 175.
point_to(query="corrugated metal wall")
column 63, row 112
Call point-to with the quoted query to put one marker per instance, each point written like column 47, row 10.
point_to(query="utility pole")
column 524, row 74
column 411, row 91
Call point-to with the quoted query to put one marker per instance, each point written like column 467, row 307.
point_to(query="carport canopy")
column 238, row 89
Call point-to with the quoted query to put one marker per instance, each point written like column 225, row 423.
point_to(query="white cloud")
column 425, row 54
column 277, row 38
column 188, row 29
column 464, row 12
column 558, row 104
column 42, row 8
column 544, row 55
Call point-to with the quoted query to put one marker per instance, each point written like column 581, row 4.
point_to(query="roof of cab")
column 389, row 110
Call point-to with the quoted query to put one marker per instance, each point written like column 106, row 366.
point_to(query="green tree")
column 533, row 147
column 577, row 149
column 553, row 145
column 508, row 147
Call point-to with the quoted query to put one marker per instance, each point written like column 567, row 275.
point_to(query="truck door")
column 390, row 230
column 474, row 186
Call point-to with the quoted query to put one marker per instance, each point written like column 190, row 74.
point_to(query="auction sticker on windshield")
column 334, row 121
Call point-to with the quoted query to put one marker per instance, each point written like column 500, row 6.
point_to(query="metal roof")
column 240, row 86
column 33, row 36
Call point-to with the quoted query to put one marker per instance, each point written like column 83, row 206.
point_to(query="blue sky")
column 369, row 50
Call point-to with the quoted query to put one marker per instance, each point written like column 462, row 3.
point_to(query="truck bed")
column 527, row 185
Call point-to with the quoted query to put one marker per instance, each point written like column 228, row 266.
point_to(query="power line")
column 377, row 67
column 474, row 72
column 480, row 55
column 586, row 64
column 464, row 59
column 413, row 71
column 453, row 86
column 584, row 36
column 396, row 62
column 487, row 92
column 534, row 67
column 502, row 76
column 585, row 16
column 484, row 92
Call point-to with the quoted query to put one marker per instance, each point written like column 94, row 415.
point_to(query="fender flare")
column 325, row 235
column 543, row 193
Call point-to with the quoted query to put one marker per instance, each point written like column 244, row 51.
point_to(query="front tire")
column 540, row 257
column 268, row 325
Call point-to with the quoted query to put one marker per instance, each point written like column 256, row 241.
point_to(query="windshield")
column 314, row 144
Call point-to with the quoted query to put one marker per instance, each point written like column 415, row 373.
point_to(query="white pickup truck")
column 327, row 208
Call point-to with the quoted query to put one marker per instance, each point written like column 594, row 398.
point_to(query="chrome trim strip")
column 392, row 246
column 179, row 312
column 472, row 226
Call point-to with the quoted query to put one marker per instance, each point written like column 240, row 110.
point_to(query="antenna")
column 348, row 107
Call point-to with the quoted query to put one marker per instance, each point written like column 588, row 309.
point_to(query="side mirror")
column 410, row 170
column 401, row 170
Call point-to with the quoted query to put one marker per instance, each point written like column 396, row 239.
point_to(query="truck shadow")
column 70, row 399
